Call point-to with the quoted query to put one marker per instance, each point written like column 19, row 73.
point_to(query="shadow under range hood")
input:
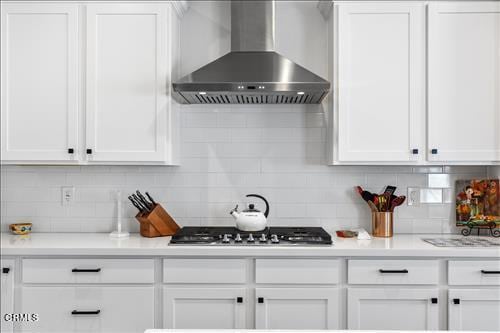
column 252, row 73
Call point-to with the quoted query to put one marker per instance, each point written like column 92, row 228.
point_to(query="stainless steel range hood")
column 252, row 73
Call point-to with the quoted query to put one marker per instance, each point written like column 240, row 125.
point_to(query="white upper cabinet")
column 39, row 82
column 464, row 81
column 127, row 83
column 95, row 95
column 380, row 74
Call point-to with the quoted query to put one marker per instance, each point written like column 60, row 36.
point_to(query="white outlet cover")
column 67, row 195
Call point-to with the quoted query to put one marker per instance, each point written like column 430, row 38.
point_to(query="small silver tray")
column 463, row 242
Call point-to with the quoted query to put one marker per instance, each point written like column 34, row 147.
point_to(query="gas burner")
column 274, row 236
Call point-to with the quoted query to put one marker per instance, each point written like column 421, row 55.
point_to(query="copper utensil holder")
column 156, row 223
column 382, row 224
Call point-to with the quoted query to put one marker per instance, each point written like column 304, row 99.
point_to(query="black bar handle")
column 6, row 270
column 404, row 271
column 489, row 272
column 260, row 300
column 90, row 270
column 78, row 312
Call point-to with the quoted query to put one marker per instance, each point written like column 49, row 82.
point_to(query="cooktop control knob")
column 225, row 239
column 250, row 238
column 263, row 238
column 274, row 239
column 237, row 239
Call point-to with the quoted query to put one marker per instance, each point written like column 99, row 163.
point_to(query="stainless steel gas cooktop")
column 273, row 236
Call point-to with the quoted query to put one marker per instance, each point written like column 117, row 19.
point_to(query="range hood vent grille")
column 235, row 98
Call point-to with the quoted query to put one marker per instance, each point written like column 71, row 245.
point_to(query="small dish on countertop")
column 20, row 228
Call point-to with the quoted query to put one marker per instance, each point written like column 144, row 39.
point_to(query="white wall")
column 229, row 151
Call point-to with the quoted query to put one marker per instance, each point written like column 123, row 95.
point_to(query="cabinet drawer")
column 474, row 272
column 88, row 309
column 88, row 271
column 301, row 271
column 204, row 271
column 393, row 272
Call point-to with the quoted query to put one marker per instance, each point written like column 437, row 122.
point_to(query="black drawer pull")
column 239, row 299
column 89, row 151
column 260, row 300
column 434, row 151
column 71, row 150
column 5, row 270
column 456, row 301
column 414, row 151
column 77, row 312
column 434, row 300
column 490, row 272
column 404, row 271
column 91, row 270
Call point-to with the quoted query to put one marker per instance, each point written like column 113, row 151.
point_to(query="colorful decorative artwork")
column 478, row 203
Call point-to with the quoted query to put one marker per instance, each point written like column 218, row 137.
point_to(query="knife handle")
column 150, row 198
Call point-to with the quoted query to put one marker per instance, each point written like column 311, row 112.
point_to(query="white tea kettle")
column 251, row 219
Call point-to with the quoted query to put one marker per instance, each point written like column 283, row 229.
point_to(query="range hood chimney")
column 252, row 73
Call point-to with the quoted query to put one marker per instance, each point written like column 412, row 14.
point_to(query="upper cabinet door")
column 380, row 74
column 464, row 81
column 127, row 83
column 39, row 48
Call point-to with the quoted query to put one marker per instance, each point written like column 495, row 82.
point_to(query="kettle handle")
column 265, row 201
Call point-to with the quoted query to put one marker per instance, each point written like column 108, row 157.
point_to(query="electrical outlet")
column 67, row 195
column 413, row 196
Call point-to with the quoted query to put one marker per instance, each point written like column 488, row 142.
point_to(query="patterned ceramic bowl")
column 20, row 228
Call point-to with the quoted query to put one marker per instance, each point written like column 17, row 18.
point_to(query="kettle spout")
column 234, row 212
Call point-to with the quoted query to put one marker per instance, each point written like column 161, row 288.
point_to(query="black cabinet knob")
column 260, row 300
column 414, row 151
column 239, row 299
column 456, row 301
column 89, row 151
column 71, row 150
column 5, row 270
column 434, row 300
column 434, row 151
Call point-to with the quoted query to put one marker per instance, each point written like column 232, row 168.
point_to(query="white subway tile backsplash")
column 227, row 152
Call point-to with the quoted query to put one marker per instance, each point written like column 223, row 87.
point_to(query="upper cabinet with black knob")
column 464, row 81
column 415, row 83
column 129, row 51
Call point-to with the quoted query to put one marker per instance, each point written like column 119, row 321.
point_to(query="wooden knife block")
column 157, row 223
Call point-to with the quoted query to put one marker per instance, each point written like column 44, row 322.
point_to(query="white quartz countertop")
column 100, row 244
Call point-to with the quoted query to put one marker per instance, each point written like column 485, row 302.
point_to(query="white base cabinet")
column 89, row 294
column 297, row 308
column 88, row 309
column 393, row 309
column 474, row 310
column 7, row 293
column 204, row 308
